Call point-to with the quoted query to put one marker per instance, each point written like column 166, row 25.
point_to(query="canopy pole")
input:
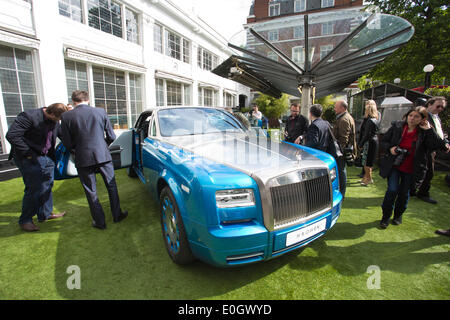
column 306, row 91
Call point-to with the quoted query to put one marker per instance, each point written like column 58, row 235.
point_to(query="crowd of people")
column 409, row 149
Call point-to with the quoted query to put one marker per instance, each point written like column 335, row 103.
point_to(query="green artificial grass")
column 129, row 261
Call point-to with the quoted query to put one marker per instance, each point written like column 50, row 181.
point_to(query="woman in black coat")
column 406, row 145
column 368, row 140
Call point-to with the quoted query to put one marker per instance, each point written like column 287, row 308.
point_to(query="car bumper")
column 248, row 243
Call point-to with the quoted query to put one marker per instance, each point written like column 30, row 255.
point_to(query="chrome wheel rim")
column 171, row 232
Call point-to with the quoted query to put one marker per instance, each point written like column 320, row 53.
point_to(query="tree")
column 327, row 104
column 429, row 45
column 271, row 107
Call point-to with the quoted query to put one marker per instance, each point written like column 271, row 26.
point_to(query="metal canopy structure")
column 316, row 54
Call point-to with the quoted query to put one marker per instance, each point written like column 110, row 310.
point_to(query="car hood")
column 253, row 155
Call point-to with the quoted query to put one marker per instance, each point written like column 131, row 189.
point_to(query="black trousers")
column 88, row 180
column 424, row 189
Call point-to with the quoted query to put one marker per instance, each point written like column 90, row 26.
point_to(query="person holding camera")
column 345, row 133
column 407, row 144
column 368, row 140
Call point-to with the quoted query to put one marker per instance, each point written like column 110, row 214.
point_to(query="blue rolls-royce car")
column 227, row 196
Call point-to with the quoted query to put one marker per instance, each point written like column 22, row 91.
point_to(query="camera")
column 401, row 156
column 349, row 159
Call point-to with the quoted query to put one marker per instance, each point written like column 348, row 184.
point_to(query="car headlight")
column 333, row 174
column 235, row 198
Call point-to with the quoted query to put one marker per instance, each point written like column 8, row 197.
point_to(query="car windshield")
column 192, row 121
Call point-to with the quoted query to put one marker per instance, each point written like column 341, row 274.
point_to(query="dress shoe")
column 384, row 224
column 29, row 227
column 443, row 232
column 427, row 199
column 103, row 227
column 54, row 216
column 122, row 216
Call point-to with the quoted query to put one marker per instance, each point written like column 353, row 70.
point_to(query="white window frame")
column 296, row 36
column 184, row 88
column 328, row 48
column 215, row 60
column 215, row 96
column 273, row 35
column 299, row 5
column 327, row 3
column 302, row 54
column 163, row 44
column 326, row 25
column 276, row 8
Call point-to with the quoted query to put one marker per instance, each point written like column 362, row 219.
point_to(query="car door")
column 121, row 152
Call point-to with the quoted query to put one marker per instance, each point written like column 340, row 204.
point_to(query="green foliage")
column 444, row 115
column 429, row 45
column 271, row 107
column 328, row 108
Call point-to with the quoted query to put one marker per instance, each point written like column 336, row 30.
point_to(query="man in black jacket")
column 83, row 131
column 32, row 137
column 434, row 106
column 318, row 135
column 296, row 126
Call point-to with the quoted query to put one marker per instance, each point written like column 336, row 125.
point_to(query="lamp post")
column 428, row 69
column 397, row 81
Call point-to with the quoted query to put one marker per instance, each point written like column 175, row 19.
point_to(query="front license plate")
column 305, row 233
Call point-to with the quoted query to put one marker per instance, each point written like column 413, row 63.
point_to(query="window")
column 71, row 9
column 206, row 60
column 274, row 10
column 327, row 28
column 110, row 94
column 299, row 32
column 173, row 45
column 131, row 22
column 76, row 77
column 208, row 97
column 135, row 96
column 229, row 100
column 273, row 35
column 324, row 50
column 298, row 55
column 105, row 15
column 327, row 3
column 272, row 55
column 172, row 93
column 18, row 88
column 157, row 38
column 186, row 51
column 299, row 5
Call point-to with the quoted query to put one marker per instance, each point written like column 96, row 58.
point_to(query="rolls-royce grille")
column 296, row 201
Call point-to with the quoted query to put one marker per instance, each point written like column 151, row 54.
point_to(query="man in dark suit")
column 434, row 106
column 296, row 126
column 83, row 131
column 318, row 135
column 32, row 137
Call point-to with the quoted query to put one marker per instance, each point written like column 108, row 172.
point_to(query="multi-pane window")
column 273, row 35
column 135, row 85
column 17, row 83
column 324, row 50
column 274, row 9
column 206, row 60
column 208, row 97
column 110, row 94
column 229, row 100
column 76, row 77
column 299, row 32
column 327, row 3
column 157, row 38
column 298, row 55
column 299, row 5
column 172, row 93
column 71, row 9
column 172, row 44
column 327, row 28
column 105, row 15
column 131, row 19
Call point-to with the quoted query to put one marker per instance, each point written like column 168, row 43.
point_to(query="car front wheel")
column 173, row 230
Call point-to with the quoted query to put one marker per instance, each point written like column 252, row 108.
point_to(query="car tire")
column 131, row 173
column 173, row 232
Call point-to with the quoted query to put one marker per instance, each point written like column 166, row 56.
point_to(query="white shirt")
column 257, row 114
column 437, row 122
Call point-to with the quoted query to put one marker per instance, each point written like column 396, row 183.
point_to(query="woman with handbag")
column 368, row 141
column 406, row 144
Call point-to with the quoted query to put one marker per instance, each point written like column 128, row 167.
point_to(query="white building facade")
column 130, row 55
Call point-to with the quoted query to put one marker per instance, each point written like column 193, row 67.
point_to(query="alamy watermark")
column 74, row 280
column 374, row 281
